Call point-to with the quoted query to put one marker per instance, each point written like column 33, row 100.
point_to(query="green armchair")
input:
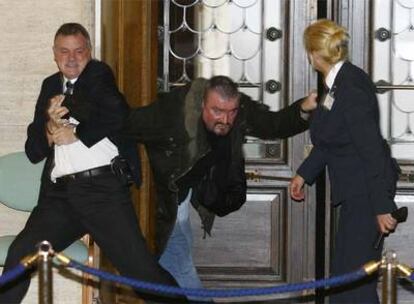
column 19, row 190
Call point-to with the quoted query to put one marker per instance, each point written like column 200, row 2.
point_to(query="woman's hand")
column 296, row 188
column 386, row 223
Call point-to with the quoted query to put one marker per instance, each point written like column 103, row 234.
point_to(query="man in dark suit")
column 80, row 192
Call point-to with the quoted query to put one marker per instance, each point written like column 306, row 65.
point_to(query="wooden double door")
column 157, row 45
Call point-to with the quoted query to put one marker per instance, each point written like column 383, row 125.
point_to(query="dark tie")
column 69, row 88
column 68, row 97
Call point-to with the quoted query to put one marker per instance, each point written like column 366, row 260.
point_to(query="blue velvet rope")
column 221, row 293
column 12, row 274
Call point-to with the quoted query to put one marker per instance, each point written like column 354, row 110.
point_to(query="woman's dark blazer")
column 347, row 139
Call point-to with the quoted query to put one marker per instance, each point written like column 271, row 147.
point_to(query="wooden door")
column 129, row 37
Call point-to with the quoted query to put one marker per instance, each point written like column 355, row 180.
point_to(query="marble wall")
column 28, row 28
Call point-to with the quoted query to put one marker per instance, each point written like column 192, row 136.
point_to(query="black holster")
column 122, row 170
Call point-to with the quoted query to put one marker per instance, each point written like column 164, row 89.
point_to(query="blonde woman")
column 347, row 140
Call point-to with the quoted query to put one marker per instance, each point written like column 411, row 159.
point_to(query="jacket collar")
column 340, row 75
column 193, row 123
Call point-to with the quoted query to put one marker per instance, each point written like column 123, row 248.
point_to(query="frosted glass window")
column 393, row 62
column 237, row 38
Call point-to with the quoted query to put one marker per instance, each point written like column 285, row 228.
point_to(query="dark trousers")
column 100, row 206
column 357, row 232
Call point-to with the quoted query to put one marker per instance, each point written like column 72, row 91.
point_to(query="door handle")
column 407, row 176
column 256, row 176
column 383, row 86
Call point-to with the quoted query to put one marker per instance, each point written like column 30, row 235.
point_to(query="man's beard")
column 222, row 129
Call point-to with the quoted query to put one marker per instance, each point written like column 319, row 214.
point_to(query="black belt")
column 84, row 174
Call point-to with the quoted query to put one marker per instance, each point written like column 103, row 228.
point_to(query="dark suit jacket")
column 347, row 139
column 98, row 106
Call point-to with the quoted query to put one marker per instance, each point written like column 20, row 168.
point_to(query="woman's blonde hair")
column 328, row 39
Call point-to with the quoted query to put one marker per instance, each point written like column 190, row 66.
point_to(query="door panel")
column 236, row 235
column 129, row 36
column 393, row 64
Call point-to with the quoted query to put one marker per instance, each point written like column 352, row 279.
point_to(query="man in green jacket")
column 194, row 137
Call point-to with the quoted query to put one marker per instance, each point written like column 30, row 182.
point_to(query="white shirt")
column 77, row 157
column 329, row 81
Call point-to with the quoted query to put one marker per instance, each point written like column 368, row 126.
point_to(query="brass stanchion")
column 389, row 278
column 44, row 264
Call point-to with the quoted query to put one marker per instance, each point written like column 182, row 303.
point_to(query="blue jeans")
column 177, row 257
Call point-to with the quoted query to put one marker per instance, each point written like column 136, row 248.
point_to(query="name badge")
column 328, row 102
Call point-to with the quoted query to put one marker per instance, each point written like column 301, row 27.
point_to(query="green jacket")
column 172, row 131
